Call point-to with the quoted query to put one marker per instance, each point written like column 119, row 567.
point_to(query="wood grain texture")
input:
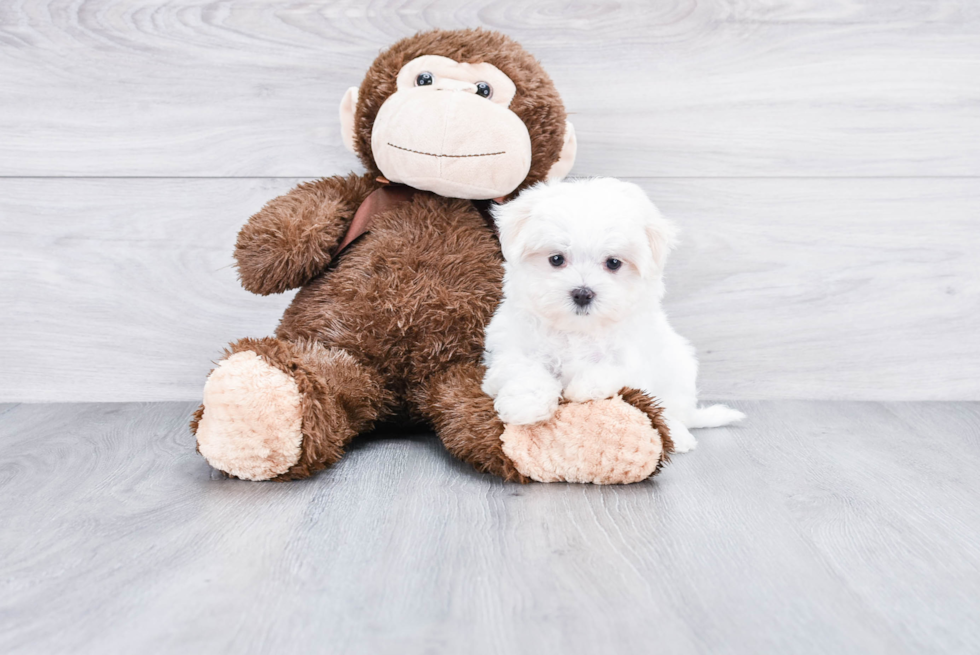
column 114, row 290
column 123, row 289
column 814, row 528
column 678, row 88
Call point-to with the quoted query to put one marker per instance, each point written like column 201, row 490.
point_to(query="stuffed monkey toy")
column 399, row 270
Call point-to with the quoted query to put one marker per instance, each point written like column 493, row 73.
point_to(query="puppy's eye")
column 556, row 260
column 483, row 89
column 424, row 79
column 613, row 264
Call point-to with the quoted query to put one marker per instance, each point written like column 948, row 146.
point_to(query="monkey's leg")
column 282, row 410
column 617, row 440
column 614, row 441
column 465, row 420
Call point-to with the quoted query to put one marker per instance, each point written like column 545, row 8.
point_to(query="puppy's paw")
column 683, row 440
column 597, row 387
column 522, row 405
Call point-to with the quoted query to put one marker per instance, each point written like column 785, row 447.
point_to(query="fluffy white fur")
column 542, row 345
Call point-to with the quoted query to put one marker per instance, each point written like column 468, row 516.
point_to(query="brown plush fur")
column 465, row 418
column 292, row 238
column 393, row 326
column 340, row 398
column 411, row 298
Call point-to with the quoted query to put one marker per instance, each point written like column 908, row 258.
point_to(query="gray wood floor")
column 817, row 527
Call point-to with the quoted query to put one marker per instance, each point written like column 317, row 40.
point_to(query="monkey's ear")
column 566, row 160
column 347, row 108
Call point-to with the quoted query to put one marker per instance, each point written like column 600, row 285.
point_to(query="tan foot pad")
column 601, row 441
column 252, row 423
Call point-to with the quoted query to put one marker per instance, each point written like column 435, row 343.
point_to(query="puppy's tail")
column 714, row 416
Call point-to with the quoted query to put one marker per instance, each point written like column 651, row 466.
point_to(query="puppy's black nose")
column 583, row 296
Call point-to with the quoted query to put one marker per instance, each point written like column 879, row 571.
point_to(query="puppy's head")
column 583, row 254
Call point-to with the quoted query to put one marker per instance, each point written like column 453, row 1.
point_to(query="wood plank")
column 717, row 88
column 123, row 289
column 813, row 528
column 119, row 290
column 831, row 289
column 880, row 490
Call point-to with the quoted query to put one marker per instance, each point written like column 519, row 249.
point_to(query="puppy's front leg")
column 524, row 392
column 594, row 383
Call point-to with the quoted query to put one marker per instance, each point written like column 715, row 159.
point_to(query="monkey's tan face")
column 449, row 129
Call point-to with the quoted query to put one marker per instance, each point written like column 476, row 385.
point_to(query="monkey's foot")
column 250, row 425
column 613, row 441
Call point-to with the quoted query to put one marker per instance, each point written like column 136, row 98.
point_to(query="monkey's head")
column 462, row 113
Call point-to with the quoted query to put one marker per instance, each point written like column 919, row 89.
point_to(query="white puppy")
column 581, row 315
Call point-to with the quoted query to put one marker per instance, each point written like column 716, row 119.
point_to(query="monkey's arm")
column 292, row 238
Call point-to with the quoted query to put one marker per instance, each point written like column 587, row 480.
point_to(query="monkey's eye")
column 424, row 79
column 483, row 89
column 556, row 260
column 613, row 264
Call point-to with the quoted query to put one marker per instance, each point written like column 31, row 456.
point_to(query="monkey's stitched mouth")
column 432, row 154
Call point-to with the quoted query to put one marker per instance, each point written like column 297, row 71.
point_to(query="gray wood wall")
column 821, row 156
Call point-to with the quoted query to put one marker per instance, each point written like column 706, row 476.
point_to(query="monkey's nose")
column 449, row 84
column 582, row 296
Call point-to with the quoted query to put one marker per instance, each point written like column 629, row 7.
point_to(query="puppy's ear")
column 511, row 218
column 661, row 236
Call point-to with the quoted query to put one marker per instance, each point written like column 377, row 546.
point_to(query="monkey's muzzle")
column 453, row 143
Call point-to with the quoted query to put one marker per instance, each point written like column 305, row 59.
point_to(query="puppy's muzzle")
column 582, row 296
